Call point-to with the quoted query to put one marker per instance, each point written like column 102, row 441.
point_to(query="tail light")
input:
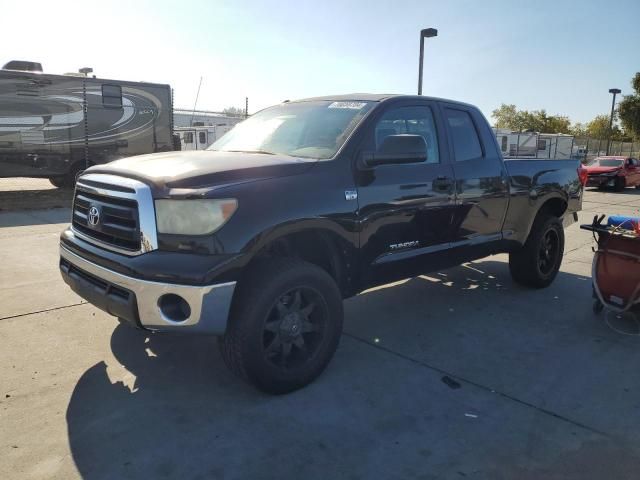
column 583, row 175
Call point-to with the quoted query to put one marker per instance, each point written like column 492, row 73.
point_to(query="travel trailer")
column 199, row 138
column 534, row 144
column 55, row 126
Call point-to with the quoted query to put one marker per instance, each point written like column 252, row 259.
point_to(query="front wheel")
column 620, row 184
column 285, row 325
column 536, row 264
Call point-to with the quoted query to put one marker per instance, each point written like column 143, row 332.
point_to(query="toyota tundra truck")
column 258, row 239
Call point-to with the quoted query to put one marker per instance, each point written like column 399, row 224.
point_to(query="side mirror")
column 397, row 149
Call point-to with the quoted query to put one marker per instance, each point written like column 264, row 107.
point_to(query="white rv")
column 199, row 138
column 534, row 144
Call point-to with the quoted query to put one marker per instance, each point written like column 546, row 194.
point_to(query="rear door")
column 482, row 188
column 406, row 210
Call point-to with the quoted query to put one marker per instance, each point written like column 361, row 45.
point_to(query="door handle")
column 442, row 184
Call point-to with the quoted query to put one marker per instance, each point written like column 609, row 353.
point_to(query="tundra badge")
column 350, row 194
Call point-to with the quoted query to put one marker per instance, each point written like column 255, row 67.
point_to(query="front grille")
column 118, row 223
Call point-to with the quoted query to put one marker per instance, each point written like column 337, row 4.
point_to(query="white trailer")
column 199, row 138
column 534, row 144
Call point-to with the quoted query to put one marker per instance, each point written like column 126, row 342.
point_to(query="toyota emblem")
column 94, row 216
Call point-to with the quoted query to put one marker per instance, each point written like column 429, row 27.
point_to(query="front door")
column 405, row 210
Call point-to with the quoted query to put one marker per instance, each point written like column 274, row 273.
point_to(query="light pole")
column 425, row 33
column 614, row 91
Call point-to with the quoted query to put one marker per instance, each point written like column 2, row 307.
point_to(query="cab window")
column 466, row 144
column 410, row 120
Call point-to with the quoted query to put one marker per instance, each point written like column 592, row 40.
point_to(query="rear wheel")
column 69, row 179
column 536, row 264
column 285, row 325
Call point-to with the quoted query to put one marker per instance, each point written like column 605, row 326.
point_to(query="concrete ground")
column 456, row 374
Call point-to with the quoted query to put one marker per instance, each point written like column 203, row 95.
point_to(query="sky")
column 562, row 56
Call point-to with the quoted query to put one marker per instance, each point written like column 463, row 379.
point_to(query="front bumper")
column 601, row 181
column 143, row 303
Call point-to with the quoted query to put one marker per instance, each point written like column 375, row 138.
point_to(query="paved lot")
column 452, row 375
column 31, row 193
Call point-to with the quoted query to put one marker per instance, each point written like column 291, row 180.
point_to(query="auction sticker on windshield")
column 349, row 105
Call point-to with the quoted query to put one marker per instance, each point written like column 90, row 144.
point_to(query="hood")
column 203, row 170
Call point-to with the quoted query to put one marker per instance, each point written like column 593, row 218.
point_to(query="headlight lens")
column 193, row 217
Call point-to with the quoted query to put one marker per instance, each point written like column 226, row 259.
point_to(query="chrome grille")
column 115, row 213
column 118, row 223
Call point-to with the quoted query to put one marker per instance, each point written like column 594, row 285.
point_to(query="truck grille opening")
column 107, row 219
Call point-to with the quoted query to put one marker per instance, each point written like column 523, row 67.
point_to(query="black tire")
column 285, row 325
column 57, row 181
column 536, row 264
column 620, row 185
column 69, row 179
column 597, row 306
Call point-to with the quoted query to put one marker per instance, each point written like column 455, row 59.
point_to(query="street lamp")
column 614, row 91
column 425, row 33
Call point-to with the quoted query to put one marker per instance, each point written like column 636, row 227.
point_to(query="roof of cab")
column 375, row 97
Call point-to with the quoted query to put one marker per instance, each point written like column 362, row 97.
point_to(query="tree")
column 599, row 128
column 629, row 109
column 234, row 111
column 578, row 130
column 508, row 116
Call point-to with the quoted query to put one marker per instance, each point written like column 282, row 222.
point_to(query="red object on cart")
column 616, row 267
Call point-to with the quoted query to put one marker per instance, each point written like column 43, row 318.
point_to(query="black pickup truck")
column 259, row 239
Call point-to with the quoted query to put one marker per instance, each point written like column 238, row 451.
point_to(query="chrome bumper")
column 209, row 305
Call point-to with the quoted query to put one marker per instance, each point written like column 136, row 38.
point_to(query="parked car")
column 613, row 171
column 260, row 238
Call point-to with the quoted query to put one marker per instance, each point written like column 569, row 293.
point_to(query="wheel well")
column 319, row 247
column 554, row 206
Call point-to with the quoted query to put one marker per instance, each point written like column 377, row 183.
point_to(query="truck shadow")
column 626, row 191
column 22, row 218
column 179, row 413
column 15, row 200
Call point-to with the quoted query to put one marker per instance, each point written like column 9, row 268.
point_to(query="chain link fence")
column 587, row 148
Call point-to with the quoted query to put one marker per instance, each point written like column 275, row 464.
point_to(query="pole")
column 424, row 33
column 420, row 65
column 246, row 107
column 196, row 102
column 614, row 91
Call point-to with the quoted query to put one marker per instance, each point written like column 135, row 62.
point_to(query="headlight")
column 193, row 217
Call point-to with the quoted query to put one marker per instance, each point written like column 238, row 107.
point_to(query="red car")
column 613, row 171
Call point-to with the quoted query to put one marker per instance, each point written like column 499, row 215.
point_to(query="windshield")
column 305, row 129
column 606, row 162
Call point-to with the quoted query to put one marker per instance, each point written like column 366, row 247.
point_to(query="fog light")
column 174, row 307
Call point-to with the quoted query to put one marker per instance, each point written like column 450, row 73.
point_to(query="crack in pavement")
column 43, row 311
column 480, row 386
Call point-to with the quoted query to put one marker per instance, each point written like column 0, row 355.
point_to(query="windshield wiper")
column 250, row 151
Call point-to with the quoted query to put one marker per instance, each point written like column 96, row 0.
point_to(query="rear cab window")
column 464, row 136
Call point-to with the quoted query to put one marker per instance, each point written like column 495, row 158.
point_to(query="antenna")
column 196, row 102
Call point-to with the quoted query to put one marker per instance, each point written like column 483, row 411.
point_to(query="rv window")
column 203, row 137
column 112, row 95
column 504, row 143
column 188, row 137
column 542, row 144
